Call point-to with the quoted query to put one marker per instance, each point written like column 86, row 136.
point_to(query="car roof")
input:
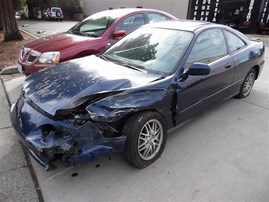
column 55, row 7
column 124, row 11
column 187, row 25
column 193, row 26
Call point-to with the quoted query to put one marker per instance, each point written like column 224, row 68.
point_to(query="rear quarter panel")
column 247, row 58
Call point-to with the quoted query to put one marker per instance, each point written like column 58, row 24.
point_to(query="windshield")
column 153, row 50
column 94, row 26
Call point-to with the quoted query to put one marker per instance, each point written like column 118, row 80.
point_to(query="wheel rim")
column 150, row 139
column 248, row 84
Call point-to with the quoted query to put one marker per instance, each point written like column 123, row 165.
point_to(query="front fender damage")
column 117, row 107
column 80, row 136
column 48, row 139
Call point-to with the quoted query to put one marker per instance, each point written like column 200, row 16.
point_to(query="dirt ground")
column 9, row 51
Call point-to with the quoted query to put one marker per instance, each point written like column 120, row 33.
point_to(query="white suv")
column 53, row 13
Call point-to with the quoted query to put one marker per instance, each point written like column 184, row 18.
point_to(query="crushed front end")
column 72, row 137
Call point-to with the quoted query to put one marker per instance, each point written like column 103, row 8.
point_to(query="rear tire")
column 145, row 138
column 247, row 85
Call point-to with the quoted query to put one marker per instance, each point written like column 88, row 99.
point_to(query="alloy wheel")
column 248, row 84
column 150, row 139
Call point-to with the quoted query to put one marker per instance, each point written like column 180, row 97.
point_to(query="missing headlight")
column 80, row 119
column 47, row 129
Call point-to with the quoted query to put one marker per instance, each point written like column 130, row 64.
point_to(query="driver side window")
column 209, row 46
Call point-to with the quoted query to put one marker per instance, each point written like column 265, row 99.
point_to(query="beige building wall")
column 178, row 8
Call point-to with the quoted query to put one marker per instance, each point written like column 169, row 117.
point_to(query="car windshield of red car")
column 93, row 26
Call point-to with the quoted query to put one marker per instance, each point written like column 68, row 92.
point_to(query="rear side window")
column 156, row 17
column 55, row 10
column 234, row 42
column 209, row 46
column 131, row 23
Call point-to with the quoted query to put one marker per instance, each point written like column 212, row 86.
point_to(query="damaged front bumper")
column 48, row 139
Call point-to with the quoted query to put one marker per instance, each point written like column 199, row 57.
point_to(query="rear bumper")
column 55, row 17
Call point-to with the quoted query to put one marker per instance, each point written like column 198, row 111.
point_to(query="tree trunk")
column 9, row 23
column 1, row 21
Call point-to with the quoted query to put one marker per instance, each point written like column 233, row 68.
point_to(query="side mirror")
column 199, row 69
column 119, row 33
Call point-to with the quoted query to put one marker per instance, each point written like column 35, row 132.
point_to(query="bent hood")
column 57, row 42
column 69, row 84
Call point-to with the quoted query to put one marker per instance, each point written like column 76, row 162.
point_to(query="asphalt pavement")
column 43, row 28
column 221, row 155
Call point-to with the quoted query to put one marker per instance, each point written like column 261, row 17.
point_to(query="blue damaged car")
column 127, row 98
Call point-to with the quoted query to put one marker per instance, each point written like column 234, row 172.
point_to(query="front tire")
column 145, row 138
column 247, row 84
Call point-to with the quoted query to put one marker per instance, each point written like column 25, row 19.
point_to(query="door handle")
column 228, row 65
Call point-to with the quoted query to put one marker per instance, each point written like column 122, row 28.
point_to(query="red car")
column 90, row 36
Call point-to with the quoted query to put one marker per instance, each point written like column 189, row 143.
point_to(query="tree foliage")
column 71, row 5
column 19, row 4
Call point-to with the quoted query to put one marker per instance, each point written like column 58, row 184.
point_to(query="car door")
column 197, row 91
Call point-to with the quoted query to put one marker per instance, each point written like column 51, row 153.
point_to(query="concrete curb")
column 9, row 70
column 28, row 33
column 17, row 178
